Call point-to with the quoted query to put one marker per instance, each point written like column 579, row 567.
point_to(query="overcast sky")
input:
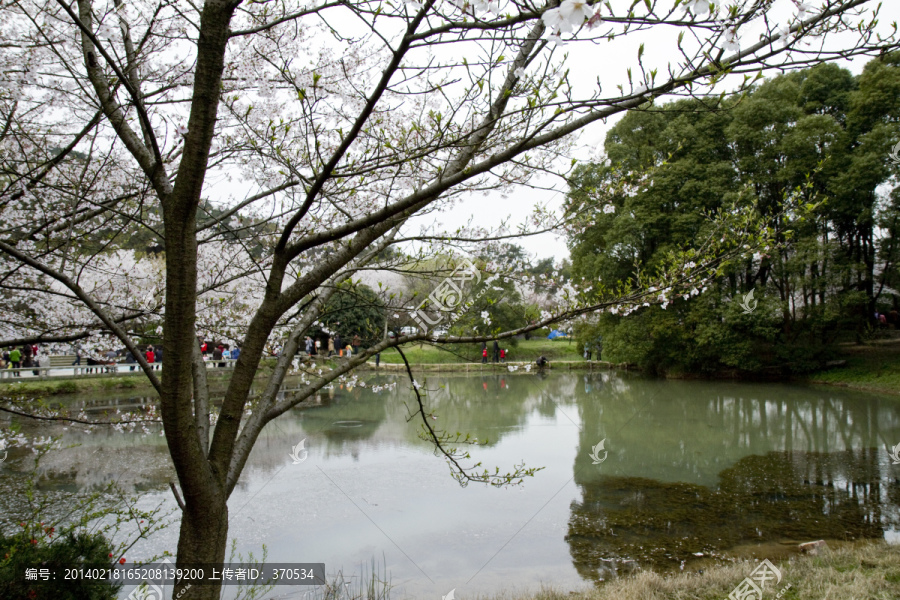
column 608, row 64
column 587, row 64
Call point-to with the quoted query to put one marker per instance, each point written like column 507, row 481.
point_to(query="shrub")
column 35, row 548
column 66, row 387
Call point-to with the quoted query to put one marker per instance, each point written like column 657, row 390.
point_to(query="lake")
column 685, row 467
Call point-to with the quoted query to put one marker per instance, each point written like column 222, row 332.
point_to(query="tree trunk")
column 202, row 541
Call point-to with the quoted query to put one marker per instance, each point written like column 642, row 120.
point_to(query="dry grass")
column 869, row 571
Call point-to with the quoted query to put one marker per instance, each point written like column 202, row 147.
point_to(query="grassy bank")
column 51, row 387
column 525, row 351
column 136, row 380
column 866, row 571
column 872, row 367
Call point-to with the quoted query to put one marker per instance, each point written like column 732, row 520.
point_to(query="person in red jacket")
column 151, row 356
column 484, row 355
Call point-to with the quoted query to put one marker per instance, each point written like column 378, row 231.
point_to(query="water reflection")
column 691, row 467
column 782, row 496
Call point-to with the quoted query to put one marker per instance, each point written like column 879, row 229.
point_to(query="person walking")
column 15, row 358
column 308, row 345
column 316, row 347
column 130, row 360
column 330, row 346
column 110, row 357
column 236, row 353
column 502, row 355
column 496, row 351
column 377, row 360
column 27, row 354
column 356, row 344
column 77, row 360
column 35, row 361
column 338, row 345
column 484, row 355
column 44, row 363
column 158, row 352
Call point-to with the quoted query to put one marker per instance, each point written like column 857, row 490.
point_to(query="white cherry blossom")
column 576, row 12
column 731, row 41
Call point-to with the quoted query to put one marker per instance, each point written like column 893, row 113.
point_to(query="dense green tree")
column 821, row 136
column 354, row 311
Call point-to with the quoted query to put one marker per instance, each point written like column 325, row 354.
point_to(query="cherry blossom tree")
column 276, row 150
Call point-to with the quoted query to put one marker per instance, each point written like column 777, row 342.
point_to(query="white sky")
column 587, row 64
column 606, row 62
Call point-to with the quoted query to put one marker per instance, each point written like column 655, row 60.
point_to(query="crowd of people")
column 153, row 355
column 23, row 357
column 500, row 354
column 333, row 345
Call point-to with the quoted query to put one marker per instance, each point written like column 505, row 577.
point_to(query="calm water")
column 689, row 467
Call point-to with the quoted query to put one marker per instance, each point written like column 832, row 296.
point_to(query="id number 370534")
column 294, row 574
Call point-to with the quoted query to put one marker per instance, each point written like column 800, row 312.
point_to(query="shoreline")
column 136, row 381
column 850, row 571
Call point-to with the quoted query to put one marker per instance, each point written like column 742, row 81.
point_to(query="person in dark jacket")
column 496, row 352
column 27, row 355
column 217, row 355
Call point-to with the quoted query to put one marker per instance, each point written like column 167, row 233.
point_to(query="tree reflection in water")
column 625, row 522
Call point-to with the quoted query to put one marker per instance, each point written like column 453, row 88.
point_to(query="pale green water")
column 691, row 467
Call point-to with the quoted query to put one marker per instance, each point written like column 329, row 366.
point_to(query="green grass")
column 873, row 367
column 526, row 350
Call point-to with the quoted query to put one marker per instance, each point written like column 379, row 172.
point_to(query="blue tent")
column 556, row 333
